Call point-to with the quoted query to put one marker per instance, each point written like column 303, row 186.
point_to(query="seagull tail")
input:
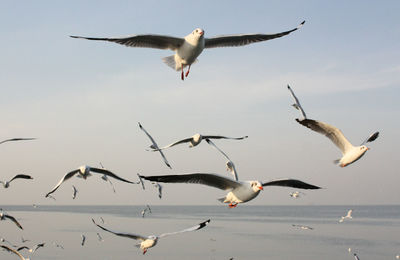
column 336, row 161
column 222, row 199
column 170, row 61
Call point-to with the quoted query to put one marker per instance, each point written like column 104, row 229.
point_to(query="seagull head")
column 363, row 148
column 84, row 171
column 198, row 32
column 256, row 186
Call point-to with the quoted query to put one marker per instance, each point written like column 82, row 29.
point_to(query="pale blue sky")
column 83, row 99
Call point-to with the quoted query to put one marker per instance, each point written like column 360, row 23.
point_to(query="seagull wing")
column 226, row 156
column 66, row 177
column 243, row 39
column 223, row 137
column 297, row 104
column 21, row 176
column 128, row 235
column 197, row 227
column 141, row 181
column 144, row 41
column 107, row 172
column 13, row 251
column 13, row 220
column 198, row 178
column 173, row 144
column 291, row 183
column 371, row 138
column 155, row 146
column 329, row 131
column 22, row 248
column 17, row 139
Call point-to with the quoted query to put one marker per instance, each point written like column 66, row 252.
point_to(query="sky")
column 83, row 99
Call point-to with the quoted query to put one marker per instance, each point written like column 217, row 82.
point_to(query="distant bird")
column 34, row 205
column 16, row 139
column 84, row 172
column 397, row 256
column 99, row 237
column 106, row 179
column 350, row 153
column 348, row 216
column 155, row 146
column 57, row 245
column 141, row 181
column 74, row 192
column 31, row 250
column 83, row 239
column 23, row 240
column 3, row 240
column 356, row 256
column 196, row 139
column 230, row 166
column 6, row 184
column 189, row 48
column 296, row 194
column 239, row 191
column 4, row 216
column 51, row 197
column 159, row 188
column 14, row 251
column 102, row 220
column 303, row 227
column 147, row 209
column 150, row 241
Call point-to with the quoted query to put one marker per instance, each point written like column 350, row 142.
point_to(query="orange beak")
column 368, row 148
column 261, row 188
column 201, row 33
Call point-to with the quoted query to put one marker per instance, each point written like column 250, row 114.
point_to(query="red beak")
column 201, row 33
column 261, row 188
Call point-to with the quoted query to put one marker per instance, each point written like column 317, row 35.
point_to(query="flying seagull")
column 31, row 250
column 14, row 251
column 83, row 239
column 230, row 166
column 84, row 172
column 350, row 153
column 2, row 240
column 106, row 179
column 187, row 49
column 159, row 188
column 16, row 139
column 302, row 227
column 155, row 146
column 239, row 191
column 74, row 192
column 99, row 237
column 23, row 240
column 296, row 194
column 6, row 184
column 150, row 241
column 4, row 216
column 348, row 216
column 145, row 210
column 196, row 139
column 141, row 181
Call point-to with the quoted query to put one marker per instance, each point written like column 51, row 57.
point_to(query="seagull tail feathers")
column 336, row 161
column 170, row 61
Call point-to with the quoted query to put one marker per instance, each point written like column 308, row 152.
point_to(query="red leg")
column 182, row 74
column 187, row 72
column 231, row 205
column 144, row 251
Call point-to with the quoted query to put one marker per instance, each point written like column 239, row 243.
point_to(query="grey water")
column 246, row 232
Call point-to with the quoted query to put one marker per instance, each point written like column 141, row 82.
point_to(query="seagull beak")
column 368, row 148
column 261, row 188
column 202, row 33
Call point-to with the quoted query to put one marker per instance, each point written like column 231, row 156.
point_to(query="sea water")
column 246, row 232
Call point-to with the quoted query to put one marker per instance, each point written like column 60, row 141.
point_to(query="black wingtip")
column 303, row 22
column 205, row 223
column 288, row 86
column 140, row 125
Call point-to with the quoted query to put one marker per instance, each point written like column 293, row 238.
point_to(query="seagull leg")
column 187, row 72
column 182, row 76
column 144, row 251
column 231, row 205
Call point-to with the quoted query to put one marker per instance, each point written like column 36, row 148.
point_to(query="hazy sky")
column 83, row 99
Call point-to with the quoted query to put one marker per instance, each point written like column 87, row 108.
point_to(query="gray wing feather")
column 173, row 144
column 144, row 41
column 297, row 104
column 21, row 176
column 291, row 183
column 13, row 251
column 194, row 228
column 128, row 235
column 333, row 133
column 66, row 177
column 16, row 139
column 243, row 39
column 212, row 180
column 234, row 173
column 108, row 173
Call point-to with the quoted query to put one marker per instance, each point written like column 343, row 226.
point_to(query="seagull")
column 83, row 239
column 99, row 237
column 6, row 241
column 74, row 192
column 14, row 251
column 3, row 216
column 102, row 220
column 239, row 191
column 84, row 172
column 150, row 241
column 141, row 181
column 230, row 166
column 296, row 194
column 31, row 250
column 105, row 178
column 303, row 227
column 187, row 49
column 16, row 139
column 350, row 153
column 145, row 210
column 51, row 197
column 6, row 184
column 347, row 216
column 155, row 146
column 23, row 240
column 196, row 139
column 57, row 245
column 159, row 188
